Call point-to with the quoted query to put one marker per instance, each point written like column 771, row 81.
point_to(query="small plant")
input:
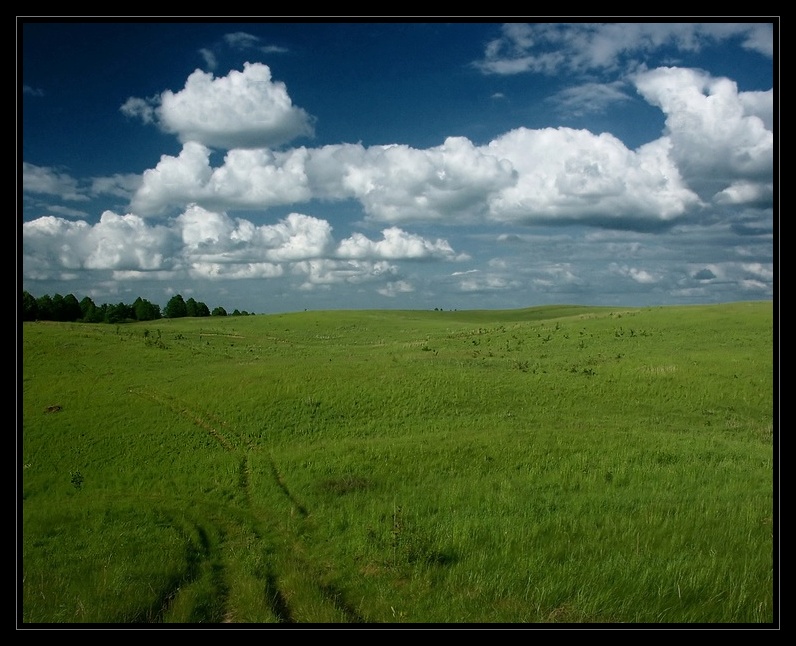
column 77, row 480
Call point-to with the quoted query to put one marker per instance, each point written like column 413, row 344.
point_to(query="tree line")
column 68, row 308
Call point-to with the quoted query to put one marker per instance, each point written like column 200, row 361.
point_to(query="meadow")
column 548, row 465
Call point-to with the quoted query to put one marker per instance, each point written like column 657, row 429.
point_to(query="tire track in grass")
column 274, row 598
column 227, row 438
column 232, row 442
column 280, row 483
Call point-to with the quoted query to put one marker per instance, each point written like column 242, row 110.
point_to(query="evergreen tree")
column 219, row 311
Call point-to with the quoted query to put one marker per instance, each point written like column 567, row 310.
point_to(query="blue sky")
column 275, row 166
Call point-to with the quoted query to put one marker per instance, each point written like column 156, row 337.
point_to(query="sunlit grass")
column 550, row 465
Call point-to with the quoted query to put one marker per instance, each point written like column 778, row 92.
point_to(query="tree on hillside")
column 176, row 307
column 30, row 310
column 219, row 311
column 58, row 308
column 196, row 308
column 90, row 312
column 45, row 307
column 72, row 310
column 202, row 309
column 145, row 311
column 118, row 313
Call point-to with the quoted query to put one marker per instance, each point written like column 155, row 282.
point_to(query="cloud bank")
column 716, row 150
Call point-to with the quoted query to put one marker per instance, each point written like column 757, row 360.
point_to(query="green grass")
column 545, row 465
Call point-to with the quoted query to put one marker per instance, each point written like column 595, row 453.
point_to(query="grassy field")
column 536, row 466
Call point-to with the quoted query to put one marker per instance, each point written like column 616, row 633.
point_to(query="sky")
column 277, row 165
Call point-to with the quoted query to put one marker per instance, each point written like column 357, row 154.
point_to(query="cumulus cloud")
column 253, row 178
column 241, row 110
column 395, row 244
column 573, row 175
column 453, row 181
column 174, row 181
column 525, row 176
column 717, row 134
column 324, row 272
column 54, row 244
column 393, row 183
column 716, row 147
column 210, row 244
column 245, row 109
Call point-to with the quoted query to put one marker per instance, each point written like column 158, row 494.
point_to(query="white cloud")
column 393, row 183
column 451, row 182
column 238, row 271
column 759, row 104
column 119, row 185
column 216, row 238
column 397, row 244
column 716, row 144
column 174, row 181
column 241, row 40
column 116, row 242
column 759, row 270
column 478, row 281
column 212, row 245
column 241, row 110
column 143, row 109
column 297, row 237
column 49, row 181
column 638, row 275
column 572, row 175
column 324, row 271
column 210, row 58
column 126, row 242
column 589, row 98
column 396, row 287
column 254, row 178
column 550, row 48
column 743, row 192
column 717, row 135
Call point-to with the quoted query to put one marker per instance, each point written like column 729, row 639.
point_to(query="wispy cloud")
column 550, row 48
